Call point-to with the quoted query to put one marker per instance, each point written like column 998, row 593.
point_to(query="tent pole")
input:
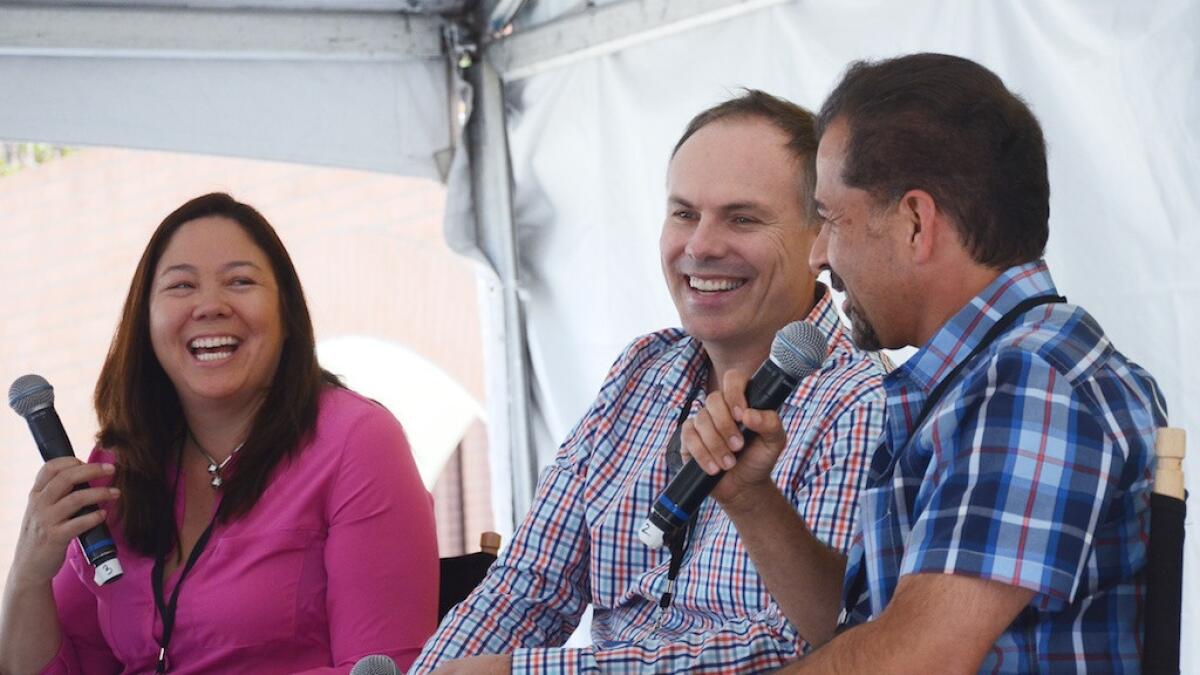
column 491, row 185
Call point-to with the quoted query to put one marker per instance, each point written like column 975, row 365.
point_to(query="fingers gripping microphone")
column 33, row 398
column 799, row 349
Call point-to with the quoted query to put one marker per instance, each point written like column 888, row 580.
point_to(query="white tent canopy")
column 340, row 86
column 576, row 105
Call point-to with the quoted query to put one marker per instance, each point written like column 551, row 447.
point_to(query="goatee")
column 861, row 331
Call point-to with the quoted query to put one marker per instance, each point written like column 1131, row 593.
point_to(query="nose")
column 707, row 240
column 210, row 304
column 818, row 256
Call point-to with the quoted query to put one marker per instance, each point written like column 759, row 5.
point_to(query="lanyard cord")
column 166, row 611
column 679, row 539
column 877, row 467
column 988, row 337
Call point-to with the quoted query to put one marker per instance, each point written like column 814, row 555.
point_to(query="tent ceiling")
column 338, row 86
column 553, row 34
column 166, row 32
column 415, row 6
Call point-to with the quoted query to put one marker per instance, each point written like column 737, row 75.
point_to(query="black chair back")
column 461, row 574
column 1164, row 564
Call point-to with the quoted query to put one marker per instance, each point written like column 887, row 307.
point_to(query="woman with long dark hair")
column 267, row 518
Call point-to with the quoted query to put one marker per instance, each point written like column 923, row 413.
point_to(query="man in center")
column 740, row 222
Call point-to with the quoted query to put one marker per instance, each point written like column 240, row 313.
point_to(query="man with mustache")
column 739, row 226
column 1004, row 520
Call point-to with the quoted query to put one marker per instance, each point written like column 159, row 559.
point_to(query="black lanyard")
column 678, row 540
column 166, row 611
column 854, row 589
column 877, row 471
column 1009, row 317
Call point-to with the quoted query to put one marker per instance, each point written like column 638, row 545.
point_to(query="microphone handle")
column 97, row 543
column 48, row 433
column 767, row 390
column 691, row 485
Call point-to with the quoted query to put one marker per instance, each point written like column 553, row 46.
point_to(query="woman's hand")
column 713, row 439
column 52, row 516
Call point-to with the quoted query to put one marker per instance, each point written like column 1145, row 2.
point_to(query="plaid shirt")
column 1034, row 469
column 579, row 545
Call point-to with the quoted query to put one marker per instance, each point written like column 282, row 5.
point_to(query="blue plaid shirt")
column 1033, row 469
column 579, row 545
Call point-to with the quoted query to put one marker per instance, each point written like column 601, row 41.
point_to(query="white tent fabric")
column 351, row 89
column 435, row 415
column 1114, row 84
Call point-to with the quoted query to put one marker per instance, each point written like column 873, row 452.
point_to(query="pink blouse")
column 336, row 561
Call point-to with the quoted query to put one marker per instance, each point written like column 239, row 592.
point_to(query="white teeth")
column 714, row 284
column 210, row 342
column 213, row 356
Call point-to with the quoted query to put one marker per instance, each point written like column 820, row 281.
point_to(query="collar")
column 958, row 336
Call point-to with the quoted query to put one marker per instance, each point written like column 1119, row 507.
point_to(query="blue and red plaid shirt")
column 579, row 545
column 1033, row 469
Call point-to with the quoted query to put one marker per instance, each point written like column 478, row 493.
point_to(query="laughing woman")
column 268, row 519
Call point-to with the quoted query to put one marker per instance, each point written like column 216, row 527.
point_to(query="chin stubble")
column 861, row 331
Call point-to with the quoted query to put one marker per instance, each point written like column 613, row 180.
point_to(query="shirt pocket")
column 246, row 593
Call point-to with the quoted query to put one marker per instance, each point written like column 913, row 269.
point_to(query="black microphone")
column 375, row 664
column 33, row 398
column 799, row 349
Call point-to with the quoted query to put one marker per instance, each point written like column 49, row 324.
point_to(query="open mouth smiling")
column 214, row 348
column 714, row 284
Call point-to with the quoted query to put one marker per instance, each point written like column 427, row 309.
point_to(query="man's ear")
column 924, row 224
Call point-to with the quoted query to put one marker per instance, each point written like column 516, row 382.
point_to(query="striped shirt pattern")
column 579, row 545
column 1033, row 470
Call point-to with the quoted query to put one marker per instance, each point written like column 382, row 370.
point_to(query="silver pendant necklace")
column 214, row 467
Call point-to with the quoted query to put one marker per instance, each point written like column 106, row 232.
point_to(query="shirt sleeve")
column 1015, row 492
column 538, row 588
column 381, row 554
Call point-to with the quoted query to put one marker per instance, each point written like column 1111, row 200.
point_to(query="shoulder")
column 649, row 358
column 345, row 417
column 633, row 385
column 1064, row 337
column 358, row 440
column 1066, row 343
column 338, row 406
column 1061, row 358
column 850, row 377
column 653, row 349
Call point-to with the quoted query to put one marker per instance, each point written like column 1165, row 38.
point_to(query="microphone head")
column 29, row 394
column 799, row 348
column 375, row 664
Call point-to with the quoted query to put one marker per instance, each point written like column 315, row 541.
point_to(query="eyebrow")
column 185, row 267
column 726, row 208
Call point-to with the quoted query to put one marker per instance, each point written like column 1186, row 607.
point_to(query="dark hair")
column 948, row 126
column 141, row 419
column 796, row 122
